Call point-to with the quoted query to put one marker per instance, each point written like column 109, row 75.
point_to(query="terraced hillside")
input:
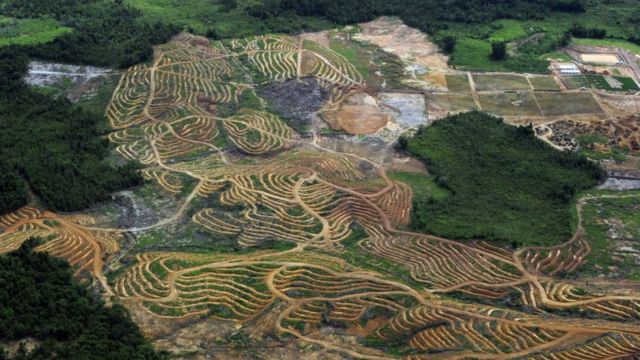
column 193, row 118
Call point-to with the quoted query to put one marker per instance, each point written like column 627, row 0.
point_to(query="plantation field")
column 500, row 82
column 458, row 83
column 510, row 103
column 544, row 83
column 29, row 31
column 553, row 104
column 600, row 82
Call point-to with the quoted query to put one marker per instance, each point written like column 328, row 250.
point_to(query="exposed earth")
column 268, row 164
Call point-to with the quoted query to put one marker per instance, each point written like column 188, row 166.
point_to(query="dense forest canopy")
column 107, row 33
column 40, row 299
column 505, row 185
column 426, row 13
column 51, row 145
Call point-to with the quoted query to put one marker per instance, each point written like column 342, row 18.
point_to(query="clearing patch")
column 510, row 103
column 485, row 82
column 544, row 83
column 408, row 110
column 554, row 104
column 458, row 83
column 359, row 114
column 295, row 100
column 407, row 43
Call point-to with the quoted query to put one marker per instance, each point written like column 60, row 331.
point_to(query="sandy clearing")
column 410, row 44
column 608, row 59
column 358, row 115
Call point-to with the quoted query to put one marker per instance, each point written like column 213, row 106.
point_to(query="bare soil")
column 408, row 43
column 358, row 115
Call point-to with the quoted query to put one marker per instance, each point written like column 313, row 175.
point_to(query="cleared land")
column 600, row 82
column 499, row 82
column 553, row 104
column 544, row 83
column 510, row 103
column 350, row 267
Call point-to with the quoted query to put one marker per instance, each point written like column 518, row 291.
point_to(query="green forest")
column 40, row 299
column 504, row 184
column 105, row 32
column 120, row 33
column 52, row 146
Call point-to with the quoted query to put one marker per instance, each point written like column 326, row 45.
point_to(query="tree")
column 498, row 51
column 212, row 34
column 448, row 44
column 228, row 5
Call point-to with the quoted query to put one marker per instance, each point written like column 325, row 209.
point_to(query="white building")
column 568, row 69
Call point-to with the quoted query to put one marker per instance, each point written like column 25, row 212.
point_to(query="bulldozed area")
column 270, row 226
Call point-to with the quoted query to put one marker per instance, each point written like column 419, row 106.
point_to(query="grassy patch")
column 423, row 187
column 97, row 103
column 544, row 83
column 600, row 82
column 500, row 82
column 554, row 104
column 507, row 30
column 29, row 31
column 458, row 83
column 506, row 185
column 474, row 54
column 510, row 103
column 602, row 218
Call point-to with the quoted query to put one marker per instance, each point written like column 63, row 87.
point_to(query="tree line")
column 505, row 185
column 39, row 298
column 106, row 32
column 51, row 147
column 426, row 15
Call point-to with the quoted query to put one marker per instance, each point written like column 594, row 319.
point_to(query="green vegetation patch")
column 544, row 83
column 40, row 299
column 223, row 18
column 600, row 82
column 458, row 83
column 507, row 30
column 607, row 221
column 54, row 146
column 29, row 31
column 500, row 82
column 510, row 103
column 451, row 102
column 554, row 104
column 506, row 185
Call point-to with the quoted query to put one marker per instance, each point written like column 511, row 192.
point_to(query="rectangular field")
column 600, row 82
column 450, row 103
column 458, row 83
column 510, row 104
column 555, row 104
column 487, row 82
column 544, row 83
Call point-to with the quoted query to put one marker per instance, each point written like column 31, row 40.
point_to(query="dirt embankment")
column 360, row 114
column 407, row 43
